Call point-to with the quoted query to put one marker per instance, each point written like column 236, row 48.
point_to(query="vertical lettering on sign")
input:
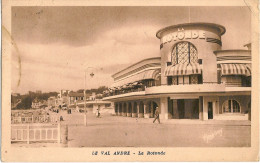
column 180, row 35
column 169, row 37
column 174, row 36
column 202, row 35
column 195, row 34
column 188, row 34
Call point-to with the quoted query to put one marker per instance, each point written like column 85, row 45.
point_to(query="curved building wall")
column 205, row 37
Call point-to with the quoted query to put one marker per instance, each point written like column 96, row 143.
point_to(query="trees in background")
column 26, row 100
column 97, row 91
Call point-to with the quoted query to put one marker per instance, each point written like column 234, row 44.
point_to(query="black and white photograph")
column 151, row 77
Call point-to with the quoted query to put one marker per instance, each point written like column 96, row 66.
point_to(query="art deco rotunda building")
column 193, row 79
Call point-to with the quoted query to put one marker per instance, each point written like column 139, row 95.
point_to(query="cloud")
column 55, row 66
column 134, row 34
column 57, row 44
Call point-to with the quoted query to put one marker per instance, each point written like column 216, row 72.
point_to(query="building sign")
column 181, row 35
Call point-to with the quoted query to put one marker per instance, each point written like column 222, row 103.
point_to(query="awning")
column 183, row 69
column 235, row 69
column 147, row 74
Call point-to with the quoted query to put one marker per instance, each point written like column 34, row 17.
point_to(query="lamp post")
column 85, row 108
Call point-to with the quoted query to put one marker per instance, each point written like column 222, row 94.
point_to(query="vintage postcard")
column 130, row 81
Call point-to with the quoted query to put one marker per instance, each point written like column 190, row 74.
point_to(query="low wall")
column 231, row 117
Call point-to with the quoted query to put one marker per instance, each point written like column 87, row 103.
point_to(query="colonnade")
column 135, row 109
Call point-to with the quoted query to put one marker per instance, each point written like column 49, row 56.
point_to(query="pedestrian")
column 98, row 114
column 156, row 115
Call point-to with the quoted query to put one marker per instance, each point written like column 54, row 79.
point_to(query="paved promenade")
column 114, row 131
column 117, row 131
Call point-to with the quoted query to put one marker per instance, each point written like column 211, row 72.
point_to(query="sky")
column 57, row 45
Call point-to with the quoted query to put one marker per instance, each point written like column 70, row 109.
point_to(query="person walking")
column 98, row 114
column 156, row 115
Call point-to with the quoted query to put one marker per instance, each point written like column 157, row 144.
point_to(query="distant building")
column 75, row 97
column 98, row 105
column 36, row 103
column 92, row 97
column 62, row 98
column 52, row 101
column 99, row 96
column 63, row 93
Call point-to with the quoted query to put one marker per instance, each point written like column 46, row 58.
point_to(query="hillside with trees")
column 26, row 100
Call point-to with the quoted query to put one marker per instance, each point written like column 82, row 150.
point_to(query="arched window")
column 231, row 106
column 184, row 52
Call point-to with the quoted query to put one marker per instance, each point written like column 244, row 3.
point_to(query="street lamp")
column 91, row 75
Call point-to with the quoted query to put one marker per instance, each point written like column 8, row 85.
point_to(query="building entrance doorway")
column 184, row 108
column 181, row 108
column 210, row 110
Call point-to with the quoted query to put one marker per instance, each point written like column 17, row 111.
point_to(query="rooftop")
column 220, row 28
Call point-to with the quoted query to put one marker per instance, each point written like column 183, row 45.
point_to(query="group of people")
column 157, row 113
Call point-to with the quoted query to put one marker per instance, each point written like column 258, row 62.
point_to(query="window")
column 246, row 81
column 158, row 81
column 194, row 79
column 231, row 106
column 150, row 83
column 184, row 52
column 175, row 80
column 219, row 76
column 169, row 80
column 186, row 79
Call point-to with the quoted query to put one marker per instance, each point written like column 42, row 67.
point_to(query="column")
column 124, row 109
column 129, row 110
column 120, row 109
column 115, row 108
column 138, row 110
column 205, row 108
column 133, row 110
column 170, row 108
column 146, row 112
column 151, row 110
column 164, row 108
column 201, row 107
column 141, row 114
column 118, row 113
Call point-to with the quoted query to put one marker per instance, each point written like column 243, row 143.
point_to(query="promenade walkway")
column 116, row 131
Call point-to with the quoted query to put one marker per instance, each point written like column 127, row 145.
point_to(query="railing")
column 35, row 119
column 185, row 84
column 35, row 132
column 228, row 84
column 125, row 91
